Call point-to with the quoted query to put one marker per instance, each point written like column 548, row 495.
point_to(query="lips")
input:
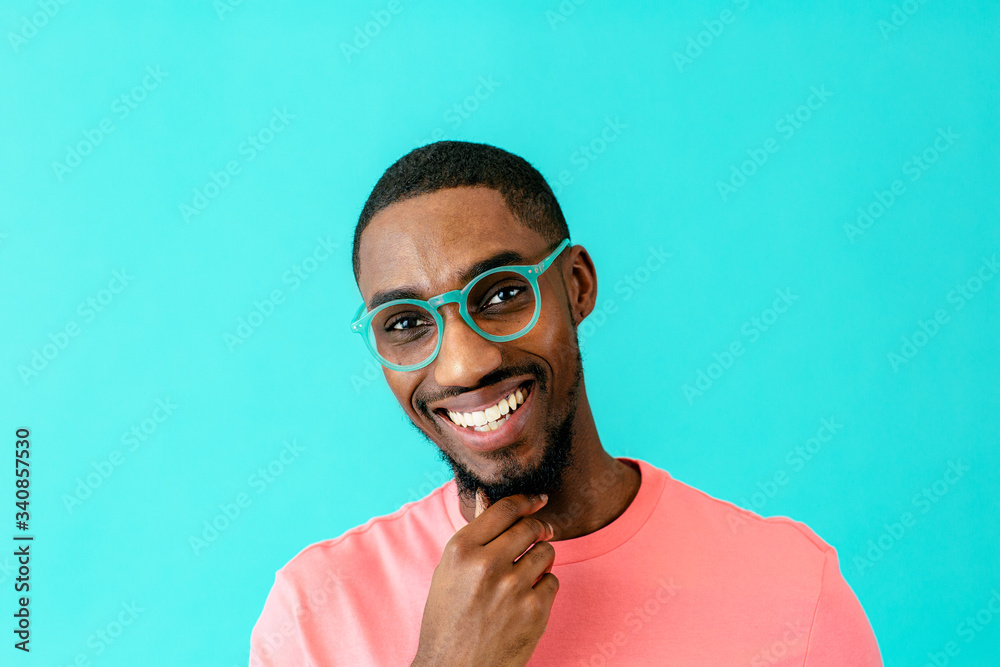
column 499, row 428
column 491, row 417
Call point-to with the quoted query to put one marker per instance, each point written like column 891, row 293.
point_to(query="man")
column 543, row 549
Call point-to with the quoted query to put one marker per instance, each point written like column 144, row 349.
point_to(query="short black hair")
column 450, row 164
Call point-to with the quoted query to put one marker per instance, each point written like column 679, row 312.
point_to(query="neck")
column 596, row 488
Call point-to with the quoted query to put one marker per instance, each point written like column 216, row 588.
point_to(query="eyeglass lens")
column 500, row 304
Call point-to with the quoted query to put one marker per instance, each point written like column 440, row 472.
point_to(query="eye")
column 406, row 322
column 504, row 294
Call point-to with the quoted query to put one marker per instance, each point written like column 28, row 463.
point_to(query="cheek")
column 553, row 339
column 553, row 342
column 402, row 388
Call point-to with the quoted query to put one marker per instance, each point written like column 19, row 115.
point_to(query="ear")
column 580, row 278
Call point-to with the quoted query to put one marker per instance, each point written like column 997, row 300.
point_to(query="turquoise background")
column 558, row 74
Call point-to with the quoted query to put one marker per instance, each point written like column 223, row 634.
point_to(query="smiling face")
column 427, row 243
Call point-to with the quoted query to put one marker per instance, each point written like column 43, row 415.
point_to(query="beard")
column 544, row 477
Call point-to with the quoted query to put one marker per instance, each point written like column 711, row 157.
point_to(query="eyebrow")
column 502, row 258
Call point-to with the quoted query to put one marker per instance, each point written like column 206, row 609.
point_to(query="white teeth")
column 491, row 418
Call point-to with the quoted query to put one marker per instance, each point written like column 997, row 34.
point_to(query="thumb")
column 482, row 501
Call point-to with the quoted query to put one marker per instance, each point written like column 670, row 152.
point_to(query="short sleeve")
column 276, row 640
column 841, row 633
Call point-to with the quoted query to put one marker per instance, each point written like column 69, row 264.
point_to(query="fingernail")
column 552, row 531
column 543, row 496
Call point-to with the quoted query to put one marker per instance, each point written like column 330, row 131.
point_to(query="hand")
column 483, row 607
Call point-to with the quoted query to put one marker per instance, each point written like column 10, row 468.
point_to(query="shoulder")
column 745, row 535
column 415, row 530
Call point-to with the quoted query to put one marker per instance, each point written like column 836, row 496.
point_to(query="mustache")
column 499, row 375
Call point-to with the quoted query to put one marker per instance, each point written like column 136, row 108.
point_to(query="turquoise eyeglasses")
column 500, row 305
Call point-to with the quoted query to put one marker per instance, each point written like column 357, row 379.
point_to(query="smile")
column 494, row 426
column 492, row 417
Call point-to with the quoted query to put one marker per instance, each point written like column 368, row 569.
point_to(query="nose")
column 465, row 356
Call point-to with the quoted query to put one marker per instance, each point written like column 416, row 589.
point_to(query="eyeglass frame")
column 531, row 272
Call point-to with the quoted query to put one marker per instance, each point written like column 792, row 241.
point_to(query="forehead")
column 425, row 242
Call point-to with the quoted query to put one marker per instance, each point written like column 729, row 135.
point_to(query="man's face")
column 426, row 243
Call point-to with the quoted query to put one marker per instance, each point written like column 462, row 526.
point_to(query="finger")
column 482, row 501
column 515, row 540
column 500, row 516
column 547, row 587
column 535, row 562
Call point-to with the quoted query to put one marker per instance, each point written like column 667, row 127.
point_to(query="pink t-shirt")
column 680, row 578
